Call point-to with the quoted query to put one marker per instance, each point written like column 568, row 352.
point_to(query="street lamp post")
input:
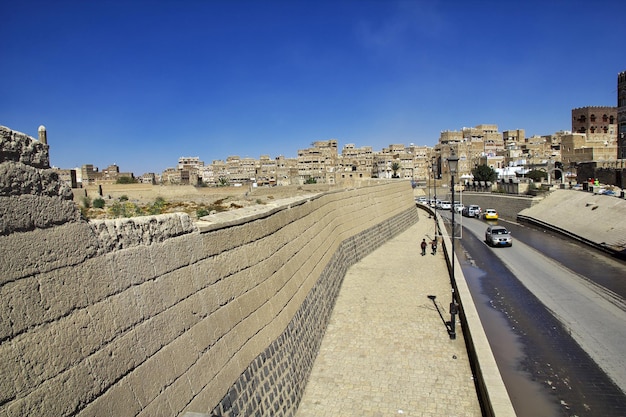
column 435, row 193
column 453, row 163
column 430, row 171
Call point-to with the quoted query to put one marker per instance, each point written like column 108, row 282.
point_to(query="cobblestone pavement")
column 387, row 350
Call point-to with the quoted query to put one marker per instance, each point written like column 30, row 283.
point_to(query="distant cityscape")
column 596, row 137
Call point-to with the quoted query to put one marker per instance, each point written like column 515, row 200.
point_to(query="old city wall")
column 157, row 316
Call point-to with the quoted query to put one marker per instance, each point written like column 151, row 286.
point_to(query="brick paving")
column 387, row 350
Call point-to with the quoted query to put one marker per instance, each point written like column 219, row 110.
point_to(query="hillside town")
column 593, row 148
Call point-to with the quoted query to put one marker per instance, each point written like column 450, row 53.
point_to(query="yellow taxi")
column 490, row 214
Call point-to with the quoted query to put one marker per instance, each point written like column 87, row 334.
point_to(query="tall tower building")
column 621, row 115
column 43, row 136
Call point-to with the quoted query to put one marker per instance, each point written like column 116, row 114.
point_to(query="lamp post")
column 435, row 193
column 453, row 163
column 430, row 171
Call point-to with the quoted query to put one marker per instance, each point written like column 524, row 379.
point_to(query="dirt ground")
column 128, row 200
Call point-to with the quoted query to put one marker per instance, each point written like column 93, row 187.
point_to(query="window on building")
column 605, row 118
column 592, row 118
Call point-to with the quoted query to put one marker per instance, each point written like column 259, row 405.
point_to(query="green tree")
column 484, row 173
column 395, row 167
column 310, row 180
column 98, row 203
column 223, row 182
column 125, row 180
column 86, row 202
column 536, row 175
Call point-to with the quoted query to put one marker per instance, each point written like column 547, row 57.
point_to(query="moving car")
column 490, row 214
column 498, row 236
column 471, row 211
column 422, row 200
column 446, row 205
column 458, row 207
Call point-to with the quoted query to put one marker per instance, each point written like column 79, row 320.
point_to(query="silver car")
column 498, row 236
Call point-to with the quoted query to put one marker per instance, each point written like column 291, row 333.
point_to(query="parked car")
column 490, row 214
column 498, row 236
column 471, row 211
column 445, row 205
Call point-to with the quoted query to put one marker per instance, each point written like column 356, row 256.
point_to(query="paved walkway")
column 387, row 350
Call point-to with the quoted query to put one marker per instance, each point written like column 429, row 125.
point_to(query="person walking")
column 433, row 246
column 424, row 244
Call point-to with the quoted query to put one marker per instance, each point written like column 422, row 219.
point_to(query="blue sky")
column 142, row 83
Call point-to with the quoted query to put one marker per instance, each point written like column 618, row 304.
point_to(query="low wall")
column 506, row 205
column 594, row 219
column 157, row 317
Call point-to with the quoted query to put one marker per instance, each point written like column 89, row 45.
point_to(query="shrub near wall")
column 154, row 318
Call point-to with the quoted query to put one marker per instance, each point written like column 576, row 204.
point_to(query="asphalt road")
column 566, row 322
column 594, row 316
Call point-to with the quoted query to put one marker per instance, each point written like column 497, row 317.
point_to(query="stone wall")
column 156, row 316
column 507, row 206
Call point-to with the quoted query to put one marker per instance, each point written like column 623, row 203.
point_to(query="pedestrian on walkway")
column 433, row 245
column 424, row 244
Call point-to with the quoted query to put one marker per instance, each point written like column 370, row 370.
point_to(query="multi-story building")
column 266, row 171
column 594, row 119
column 91, row 175
column 356, row 162
column 241, row 170
column 621, row 114
column 579, row 147
column 148, row 178
column 286, row 171
column 190, row 162
column 319, row 162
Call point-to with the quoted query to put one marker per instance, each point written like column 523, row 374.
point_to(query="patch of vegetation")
column 311, row 181
column 537, row 175
column 201, row 212
column 86, row 202
column 125, row 180
column 98, row 203
column 157, row 207
column 124, row 209
column 484, row 173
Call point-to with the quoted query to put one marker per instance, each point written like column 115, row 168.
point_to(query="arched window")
column 612, row 120
column 592, row 118
column 605, row 118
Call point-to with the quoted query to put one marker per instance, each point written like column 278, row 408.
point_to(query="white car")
column 458, row 208
column 446, row 205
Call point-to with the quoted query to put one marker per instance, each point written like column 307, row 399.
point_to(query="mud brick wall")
column 155, row 316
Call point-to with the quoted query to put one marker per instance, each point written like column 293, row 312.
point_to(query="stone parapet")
column 19, row 147
column 31, row 194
